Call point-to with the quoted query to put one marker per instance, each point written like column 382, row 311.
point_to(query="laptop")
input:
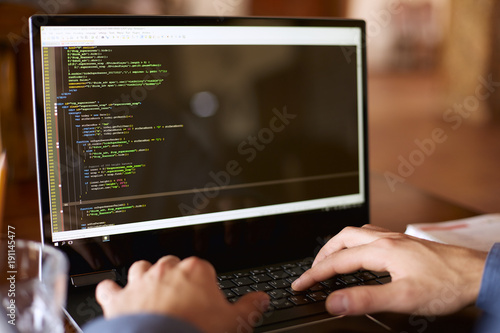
column 239, row 140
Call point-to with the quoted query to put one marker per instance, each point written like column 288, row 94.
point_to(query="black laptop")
column 239, row 140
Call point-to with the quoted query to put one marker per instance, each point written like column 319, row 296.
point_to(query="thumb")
column 252, row 306
column 105, row 293
column 363, row 299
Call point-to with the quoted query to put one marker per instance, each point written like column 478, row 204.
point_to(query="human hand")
column 428, row 278
column 184, row 289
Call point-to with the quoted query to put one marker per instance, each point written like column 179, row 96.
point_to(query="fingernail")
column 336, row 304
column 296, row 284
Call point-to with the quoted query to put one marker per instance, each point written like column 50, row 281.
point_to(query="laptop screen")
column 171, row 123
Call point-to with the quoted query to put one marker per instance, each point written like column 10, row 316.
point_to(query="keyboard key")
column 317, row 296
column 317, row 287
column 278, row 293
column 258, row 271
column 273, row 268
column 380, row 274
column 244, row 281
column 300, row 299
column 333, row 284
column 295, row 271
column 349, row 279
column 365, row 276
column 369, row 283
column 282, row 303
column 278, row 284
column 240, row 291
column 384, row 280
column 224, row 284
column 228, row 293
column 241, row 274
column 261, row 278
column 261, row 287
column 278, row 275
column 305, row 262
column 224, row 277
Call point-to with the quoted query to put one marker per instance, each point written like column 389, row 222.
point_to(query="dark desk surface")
column 391, row 210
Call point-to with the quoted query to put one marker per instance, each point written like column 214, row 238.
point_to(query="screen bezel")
column 319, row 223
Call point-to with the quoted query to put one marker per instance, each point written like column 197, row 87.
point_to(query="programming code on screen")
column 154, row 132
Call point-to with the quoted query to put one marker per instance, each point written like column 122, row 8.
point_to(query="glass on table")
column 33, row 282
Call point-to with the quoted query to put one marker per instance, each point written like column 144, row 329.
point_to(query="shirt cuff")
column 140, row 323
column 489, row 293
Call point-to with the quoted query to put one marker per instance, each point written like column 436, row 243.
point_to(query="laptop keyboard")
column 286, row 303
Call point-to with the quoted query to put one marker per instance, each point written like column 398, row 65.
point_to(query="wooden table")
column 407, row 204
column 21, row 210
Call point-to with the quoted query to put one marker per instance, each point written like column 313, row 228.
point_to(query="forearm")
column 139, row 323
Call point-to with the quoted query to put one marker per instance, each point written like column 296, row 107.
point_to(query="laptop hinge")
column 81, row 280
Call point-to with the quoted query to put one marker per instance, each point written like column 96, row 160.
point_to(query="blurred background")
column 432, row 66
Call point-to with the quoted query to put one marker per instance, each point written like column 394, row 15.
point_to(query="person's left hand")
column 184, row 289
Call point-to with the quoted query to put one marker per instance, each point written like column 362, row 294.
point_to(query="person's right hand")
column 428, row 278
column 184, row 289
